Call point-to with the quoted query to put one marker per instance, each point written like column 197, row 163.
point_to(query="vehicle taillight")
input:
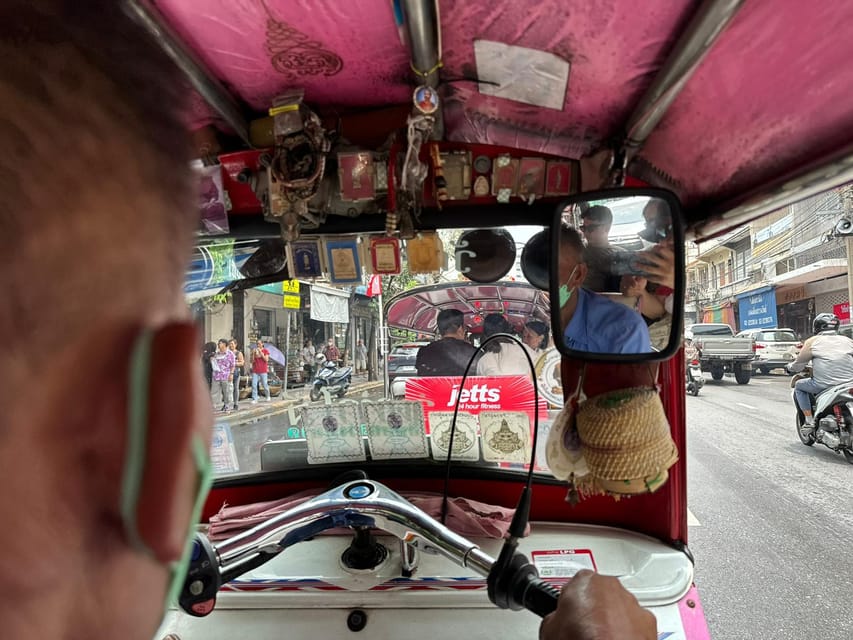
column 799, row 345
column 694, row 363
column 756, row 347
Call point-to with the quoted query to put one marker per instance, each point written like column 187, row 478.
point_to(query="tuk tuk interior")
column 740, row 108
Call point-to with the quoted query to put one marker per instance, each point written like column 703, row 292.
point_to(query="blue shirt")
column 600, row 325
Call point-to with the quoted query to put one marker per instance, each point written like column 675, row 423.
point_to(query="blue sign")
column 758, row 309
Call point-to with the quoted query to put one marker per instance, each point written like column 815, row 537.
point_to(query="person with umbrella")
column 260, row 370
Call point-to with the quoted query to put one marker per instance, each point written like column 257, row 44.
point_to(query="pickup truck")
column 721, row 351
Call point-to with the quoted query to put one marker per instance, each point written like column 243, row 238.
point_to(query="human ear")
column 178, row 410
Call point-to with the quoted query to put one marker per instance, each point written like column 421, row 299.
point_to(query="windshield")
column 328, row 377
column 711, row 330
column 777, row 336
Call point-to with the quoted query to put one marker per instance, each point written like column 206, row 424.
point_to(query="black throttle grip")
column 540, row 597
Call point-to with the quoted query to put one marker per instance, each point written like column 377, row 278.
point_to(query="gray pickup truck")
column 721, row 351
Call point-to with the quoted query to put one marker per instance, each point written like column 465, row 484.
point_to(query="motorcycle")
column 329, row 376
column 693, row 370
column 695, row 379
column 833, row 417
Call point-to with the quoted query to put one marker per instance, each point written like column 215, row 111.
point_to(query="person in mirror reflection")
column 592, row 323
column 503, row 358
column 92, row 81
column 658, row 259
column 596, row 222
column 449, row 355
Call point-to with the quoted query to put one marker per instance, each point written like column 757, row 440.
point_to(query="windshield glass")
column 711, row 330
column 326, row 377
column 777, row 336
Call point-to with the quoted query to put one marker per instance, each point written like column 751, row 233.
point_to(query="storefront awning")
column 819, row 270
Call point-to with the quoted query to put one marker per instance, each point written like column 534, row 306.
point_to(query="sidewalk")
column 288, row 399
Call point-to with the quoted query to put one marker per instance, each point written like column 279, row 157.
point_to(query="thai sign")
column 758, row 309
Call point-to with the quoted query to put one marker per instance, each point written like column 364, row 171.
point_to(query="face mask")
column 137, row 427
column 565, row 292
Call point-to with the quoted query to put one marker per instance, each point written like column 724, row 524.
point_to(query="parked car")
column 401, row 360
column 774, row 348
column 721, row 351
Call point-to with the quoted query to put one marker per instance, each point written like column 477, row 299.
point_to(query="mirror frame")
column 677, row 330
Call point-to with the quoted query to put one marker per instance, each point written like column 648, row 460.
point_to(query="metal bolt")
column 691, row 604
column 196, row 587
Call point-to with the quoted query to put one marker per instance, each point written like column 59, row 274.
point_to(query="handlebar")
column 360, row 504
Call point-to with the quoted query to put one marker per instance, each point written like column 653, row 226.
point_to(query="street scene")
column 770, row 519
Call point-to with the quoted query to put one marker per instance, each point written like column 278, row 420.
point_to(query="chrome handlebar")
column 361, row 503
column 513, row 583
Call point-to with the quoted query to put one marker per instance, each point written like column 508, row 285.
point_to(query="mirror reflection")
column 616, row 275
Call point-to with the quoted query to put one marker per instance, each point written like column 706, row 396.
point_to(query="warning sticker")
column 562, row 563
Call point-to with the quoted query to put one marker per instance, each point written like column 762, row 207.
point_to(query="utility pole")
column 847, row 202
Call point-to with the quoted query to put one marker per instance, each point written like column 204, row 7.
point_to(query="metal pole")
column 202, row 80
column 286, row 354
column 825, row 173
column 695, row 42
column 383, row 346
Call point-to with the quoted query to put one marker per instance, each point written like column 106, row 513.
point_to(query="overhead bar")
column 829, row 172
column 694, row 43
column 193, row 68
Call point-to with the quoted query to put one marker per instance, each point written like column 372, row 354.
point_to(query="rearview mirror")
column 617, row 275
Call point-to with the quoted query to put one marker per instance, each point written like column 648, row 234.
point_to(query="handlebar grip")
column 540, row 597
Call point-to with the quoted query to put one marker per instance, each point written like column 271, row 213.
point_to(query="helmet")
column 320, row 358
column 825, row 322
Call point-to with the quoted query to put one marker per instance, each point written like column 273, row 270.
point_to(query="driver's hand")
column 596, row 607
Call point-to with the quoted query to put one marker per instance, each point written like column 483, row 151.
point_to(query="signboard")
column 481, row 394
column 290, row 286
column 842, row 311
column 291, row 302
column 223, row 455
column 758, row 309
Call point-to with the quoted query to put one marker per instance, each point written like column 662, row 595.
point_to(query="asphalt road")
column 772, row 519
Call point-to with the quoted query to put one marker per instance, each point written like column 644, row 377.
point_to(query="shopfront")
column 795, row 309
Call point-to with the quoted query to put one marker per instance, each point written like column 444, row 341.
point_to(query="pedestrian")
column 260, row 370
column 331, row 352
column 222, row 362
column 308, row 353
column 239, row 364
column 360, row 357
column 207, row 351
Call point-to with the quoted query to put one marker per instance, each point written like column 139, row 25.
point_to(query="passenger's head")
column 658, row 218
column 451, row 324
column 97, row 213
column 535, row 334
column 492, row 324
column 595, row 225
column 572, row 258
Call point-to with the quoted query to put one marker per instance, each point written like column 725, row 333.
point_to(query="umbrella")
column 275, row 354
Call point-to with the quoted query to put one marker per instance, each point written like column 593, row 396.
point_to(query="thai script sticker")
column 562, row 563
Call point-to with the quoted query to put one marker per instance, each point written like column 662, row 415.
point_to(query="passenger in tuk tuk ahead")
column 99, row 524
column 449, row 355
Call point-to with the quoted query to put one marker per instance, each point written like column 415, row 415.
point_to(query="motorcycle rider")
column 831, row 356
